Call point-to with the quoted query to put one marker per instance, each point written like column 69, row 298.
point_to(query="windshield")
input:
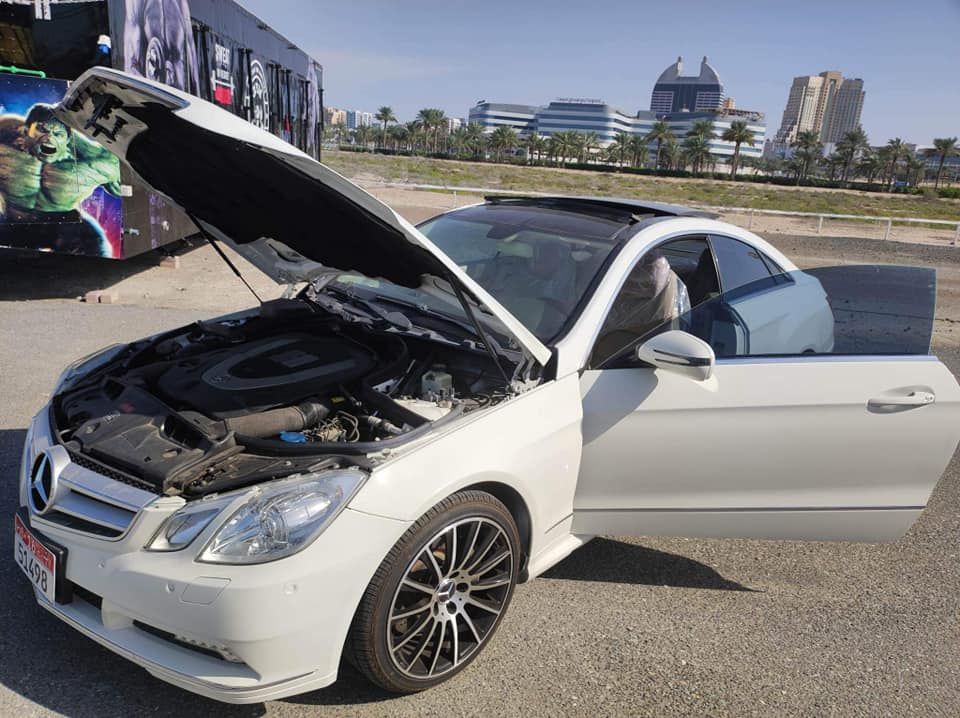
column 537, row 261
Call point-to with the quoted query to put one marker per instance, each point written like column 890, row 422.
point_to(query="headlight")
column 181, row 528
column 87, row 364
column 283, row 517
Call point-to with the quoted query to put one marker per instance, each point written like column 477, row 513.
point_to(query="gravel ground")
column 654, row 627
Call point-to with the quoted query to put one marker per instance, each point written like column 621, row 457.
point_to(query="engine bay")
column 227, row 403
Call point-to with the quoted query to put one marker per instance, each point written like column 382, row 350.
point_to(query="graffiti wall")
column 217, row 50
column 58, row 191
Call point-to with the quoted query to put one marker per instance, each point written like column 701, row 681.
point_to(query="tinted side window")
column 739, row 263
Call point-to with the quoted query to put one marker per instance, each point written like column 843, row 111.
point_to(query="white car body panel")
column 764, row 449
column 531, row 444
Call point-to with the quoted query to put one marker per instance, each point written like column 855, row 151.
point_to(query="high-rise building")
column 358, row 118
column 827, row 104
column 676, row 92
column 844, row 111
column 332, row 116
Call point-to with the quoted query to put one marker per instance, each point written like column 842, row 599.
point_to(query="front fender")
column 531, row 443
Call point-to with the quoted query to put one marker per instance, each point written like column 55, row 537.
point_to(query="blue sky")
column 450, row 53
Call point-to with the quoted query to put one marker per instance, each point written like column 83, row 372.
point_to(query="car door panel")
column 766, row 448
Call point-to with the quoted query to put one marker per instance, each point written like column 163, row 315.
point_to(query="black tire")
column 405, row 638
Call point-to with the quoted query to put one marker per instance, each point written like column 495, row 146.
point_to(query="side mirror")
column 680, row 353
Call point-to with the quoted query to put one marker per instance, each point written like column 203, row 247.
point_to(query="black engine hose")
column 388, row 407
column 276, row 421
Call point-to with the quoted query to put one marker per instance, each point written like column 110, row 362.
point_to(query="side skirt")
column 872, row 525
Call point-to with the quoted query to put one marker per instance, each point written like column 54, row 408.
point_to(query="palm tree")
column 850, row 145
column 895, row 150
column 639, row 151
column 476, row 139
column 832, row 163
column 915, row 168
column 869, row 165
column 503, row 139
column 620, row 147
column 883, row 158
column 415, row 133
column 696, row 146
column 586, row 144
column 738, row 133
column 459, row 141
column 534, row 144
column 945, row 147
column 363, row 134
column 660, row 132
column 564, row 145
column 399, row 134
column 703, row 129
column 432, row 119
column 441, row 128
column 807, row 150
column 553, row 148
column 696, row 151
column 385, row 115
column 424, row 120
column 671, row 154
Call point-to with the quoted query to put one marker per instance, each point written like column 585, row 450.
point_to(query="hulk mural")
column 58, row 190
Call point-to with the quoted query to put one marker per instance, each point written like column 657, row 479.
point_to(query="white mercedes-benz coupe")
column 367, row 468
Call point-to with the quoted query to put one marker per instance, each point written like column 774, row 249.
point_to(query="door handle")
column 914, row 398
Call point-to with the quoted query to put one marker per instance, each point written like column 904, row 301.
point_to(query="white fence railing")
column 886, row 223
column 820, row 216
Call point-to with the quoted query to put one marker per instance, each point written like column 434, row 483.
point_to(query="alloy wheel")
column 450, row 598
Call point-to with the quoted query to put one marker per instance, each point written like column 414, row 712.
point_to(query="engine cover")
column 263, row 374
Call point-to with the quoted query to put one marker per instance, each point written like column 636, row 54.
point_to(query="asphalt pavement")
column 654, row 627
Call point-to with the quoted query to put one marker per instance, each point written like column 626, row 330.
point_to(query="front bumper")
column 238, row 634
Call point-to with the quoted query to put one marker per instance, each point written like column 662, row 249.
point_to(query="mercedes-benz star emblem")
column 43, row 485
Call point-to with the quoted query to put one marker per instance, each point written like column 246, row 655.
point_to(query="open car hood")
column 289, row 215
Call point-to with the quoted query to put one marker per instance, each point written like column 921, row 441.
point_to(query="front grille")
column 104, row 470
column 78, row 524
column 88, row 497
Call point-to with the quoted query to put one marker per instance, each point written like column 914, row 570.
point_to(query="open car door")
column 825, row 417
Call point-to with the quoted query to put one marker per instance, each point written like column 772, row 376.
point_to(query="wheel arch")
column 517, row 506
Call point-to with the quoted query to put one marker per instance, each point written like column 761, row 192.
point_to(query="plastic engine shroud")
column 270, row 372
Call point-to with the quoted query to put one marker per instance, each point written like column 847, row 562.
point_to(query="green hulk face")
column 48, row 140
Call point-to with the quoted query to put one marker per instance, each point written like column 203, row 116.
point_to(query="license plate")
column 37, row 562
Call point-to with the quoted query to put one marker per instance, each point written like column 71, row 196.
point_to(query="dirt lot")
column 623, row 627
